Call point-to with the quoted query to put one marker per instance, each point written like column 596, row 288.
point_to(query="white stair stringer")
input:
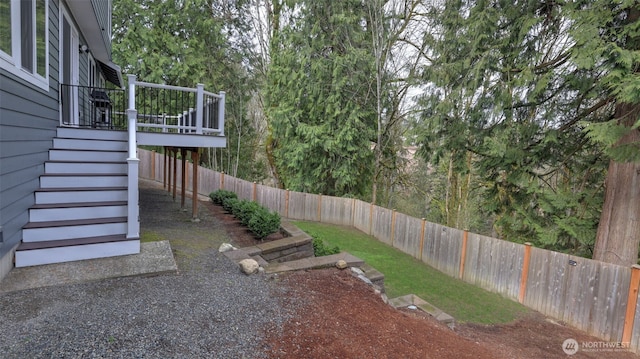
column 80, row 210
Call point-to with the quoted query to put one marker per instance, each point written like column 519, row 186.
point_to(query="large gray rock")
column 248, row 266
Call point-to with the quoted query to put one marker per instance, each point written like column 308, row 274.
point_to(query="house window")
column 24, row 39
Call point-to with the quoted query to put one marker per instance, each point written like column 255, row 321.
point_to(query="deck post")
column 195, row 157
column 133, row 211
column 175, row 172
column 199, row 107
column 183, row 180
column 221, row 113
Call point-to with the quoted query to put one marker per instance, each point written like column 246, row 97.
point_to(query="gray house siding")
column 28, row 120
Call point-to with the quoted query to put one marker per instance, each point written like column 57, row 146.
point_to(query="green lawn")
column 407, row 275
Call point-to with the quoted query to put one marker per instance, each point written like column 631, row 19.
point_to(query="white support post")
column 199, row 107
column 133, row 211
column 221, row 113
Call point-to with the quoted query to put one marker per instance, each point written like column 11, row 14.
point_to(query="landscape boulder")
column 225, row 247
column 248, row 266
column 341, row 264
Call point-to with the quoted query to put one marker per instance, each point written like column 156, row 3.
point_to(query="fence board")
column 244, row 189
column 311, row 207
column 361, row 216
column 494, row 265
column 407, row 234
column 336, row 210
column 381, row 226
column 442, row 247
column 297, row 205
column 208, row 181
column 271, row 198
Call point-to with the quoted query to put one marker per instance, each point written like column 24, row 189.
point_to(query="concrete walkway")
column 154, row 258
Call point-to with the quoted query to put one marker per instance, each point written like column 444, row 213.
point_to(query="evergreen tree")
column 503, row 103
column 607, row 39
column 320, row 102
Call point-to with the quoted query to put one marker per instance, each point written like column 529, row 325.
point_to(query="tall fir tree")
column 320, row 99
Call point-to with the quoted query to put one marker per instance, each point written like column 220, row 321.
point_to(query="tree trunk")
column 618, row 234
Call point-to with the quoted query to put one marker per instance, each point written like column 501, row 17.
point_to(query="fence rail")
column 599, row 298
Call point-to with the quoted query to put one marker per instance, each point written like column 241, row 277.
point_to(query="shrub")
column 320, row 247
column 263, row 222
column 245, row 210
column 220, row 195
column 228, row 203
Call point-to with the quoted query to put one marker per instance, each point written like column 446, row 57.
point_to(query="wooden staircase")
column 80, row 209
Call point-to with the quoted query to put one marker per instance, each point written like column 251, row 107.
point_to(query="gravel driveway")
column 208, row 310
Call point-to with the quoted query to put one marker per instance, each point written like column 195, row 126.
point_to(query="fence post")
column 255, row 192
column 525, row 272
column 424, row 222
column 393, row 225
column 463, row 252
column 320, row 207
column 222, row 180
column 632, row 301
column 286, row 203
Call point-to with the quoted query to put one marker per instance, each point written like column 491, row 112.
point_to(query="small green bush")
column 245, row 210
column 228, row 203
column 264, row 223
column 220, row 195
column 320, row 247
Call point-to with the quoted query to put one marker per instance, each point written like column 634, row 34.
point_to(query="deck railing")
column 174, row 109
column 94, row 107
column 160, row 108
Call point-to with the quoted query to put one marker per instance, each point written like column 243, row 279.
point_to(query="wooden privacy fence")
column 599, row 298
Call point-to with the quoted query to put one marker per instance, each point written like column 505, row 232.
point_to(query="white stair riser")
column 77, row 167
column 86, row 156
column 79, row 144
column 62, row 214
column 71, row 232
column 66, row 132
column 68, row 254
column 82, row 181
column 80, row 196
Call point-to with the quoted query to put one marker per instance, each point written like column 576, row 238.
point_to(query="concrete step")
column 412, row 299
column 89, row 144
column 98, row 134
column 71, row 229
column 87, row 155
column 80, row 194
column 83, row 180
column 75, row 211
column 38, row 253
column 64, row 167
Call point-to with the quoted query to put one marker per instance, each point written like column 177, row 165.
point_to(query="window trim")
column 13, row 63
